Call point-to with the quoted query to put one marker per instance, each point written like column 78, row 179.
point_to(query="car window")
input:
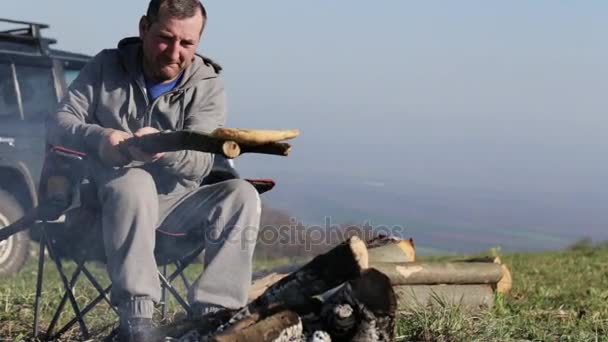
column 37, row 90
column 8, row 96
column 70, row 75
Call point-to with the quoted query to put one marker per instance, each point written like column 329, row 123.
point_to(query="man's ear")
column 144, row 26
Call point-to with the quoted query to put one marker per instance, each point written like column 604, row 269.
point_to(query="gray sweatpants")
column 224, row 215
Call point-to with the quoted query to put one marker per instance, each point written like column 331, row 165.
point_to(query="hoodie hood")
column 202, row 68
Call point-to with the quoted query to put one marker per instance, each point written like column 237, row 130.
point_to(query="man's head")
column 170, row 31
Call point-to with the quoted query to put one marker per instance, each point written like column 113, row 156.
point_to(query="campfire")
column 351, row 293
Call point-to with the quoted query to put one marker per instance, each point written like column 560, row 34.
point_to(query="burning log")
column 361, row 310
column 324, row 272
column 379, row 250
column 296, row 290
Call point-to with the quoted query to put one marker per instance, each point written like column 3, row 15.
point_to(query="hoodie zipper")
column 150, row 106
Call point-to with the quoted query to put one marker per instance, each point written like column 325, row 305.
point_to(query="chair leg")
column 183, row 263
column 102, row 292
column 68, row 289
column 39, row 283
column 163, row 297
column 183, row 277
column 175, row 294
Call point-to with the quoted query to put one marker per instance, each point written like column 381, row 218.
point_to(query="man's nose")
column 173, row 51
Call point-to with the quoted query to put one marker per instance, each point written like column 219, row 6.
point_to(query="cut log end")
column 359, row 250
column 506, row 282
column 231, row 149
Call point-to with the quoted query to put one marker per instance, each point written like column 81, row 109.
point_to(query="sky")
column 477, row 95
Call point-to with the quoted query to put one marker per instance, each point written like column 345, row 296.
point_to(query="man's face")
column 169, row 44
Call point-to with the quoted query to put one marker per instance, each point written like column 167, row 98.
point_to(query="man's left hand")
column 138, row 154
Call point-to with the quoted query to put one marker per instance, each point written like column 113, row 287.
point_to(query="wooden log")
column 260, row 285
column 384, row 249
column 429, row 273
column 472, row 298
column 281, row 327
column 505, row 283
column 361, row 310
column 389, row 249
column 199, row 141
column 326, row 271
column 202, row 327
column 254, row 136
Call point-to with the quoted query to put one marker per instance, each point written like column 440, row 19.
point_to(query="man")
column 148, row 84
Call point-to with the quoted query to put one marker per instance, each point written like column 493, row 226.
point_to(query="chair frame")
column 69, row 280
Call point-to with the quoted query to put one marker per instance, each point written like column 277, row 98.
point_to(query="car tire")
column 15, row 250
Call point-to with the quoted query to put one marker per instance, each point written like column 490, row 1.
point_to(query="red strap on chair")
column 262, row 185
column 57, row 148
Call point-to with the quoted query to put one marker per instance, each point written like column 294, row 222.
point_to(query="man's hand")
column 140, row 155
column 108, row 150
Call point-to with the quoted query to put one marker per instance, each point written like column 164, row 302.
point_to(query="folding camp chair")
column 66, row 190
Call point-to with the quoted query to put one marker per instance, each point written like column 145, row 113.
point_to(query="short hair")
column 179, row 9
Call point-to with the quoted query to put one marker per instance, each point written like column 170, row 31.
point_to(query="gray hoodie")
column 110, row 92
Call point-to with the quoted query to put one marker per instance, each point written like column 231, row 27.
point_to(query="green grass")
column 556, row 296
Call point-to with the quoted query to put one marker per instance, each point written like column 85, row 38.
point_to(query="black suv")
column 33, row 77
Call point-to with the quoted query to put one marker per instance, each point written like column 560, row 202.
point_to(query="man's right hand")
column 109, row 152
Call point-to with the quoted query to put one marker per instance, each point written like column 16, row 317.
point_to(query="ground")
column 556, row 296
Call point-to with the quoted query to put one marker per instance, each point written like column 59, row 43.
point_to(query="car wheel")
column 15, row 250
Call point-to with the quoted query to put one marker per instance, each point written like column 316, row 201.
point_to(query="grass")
column 556, row 296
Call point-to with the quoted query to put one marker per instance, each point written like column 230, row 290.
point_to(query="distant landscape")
column 441, row 219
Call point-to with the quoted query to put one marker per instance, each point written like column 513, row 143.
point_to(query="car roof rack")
column 26, row 31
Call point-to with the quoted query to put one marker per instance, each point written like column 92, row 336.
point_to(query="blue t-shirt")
column 157, row 89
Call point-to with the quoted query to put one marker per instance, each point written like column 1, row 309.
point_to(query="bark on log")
column 429, row 273
column 468, row 297
column 283, row 326
column 255, row 136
